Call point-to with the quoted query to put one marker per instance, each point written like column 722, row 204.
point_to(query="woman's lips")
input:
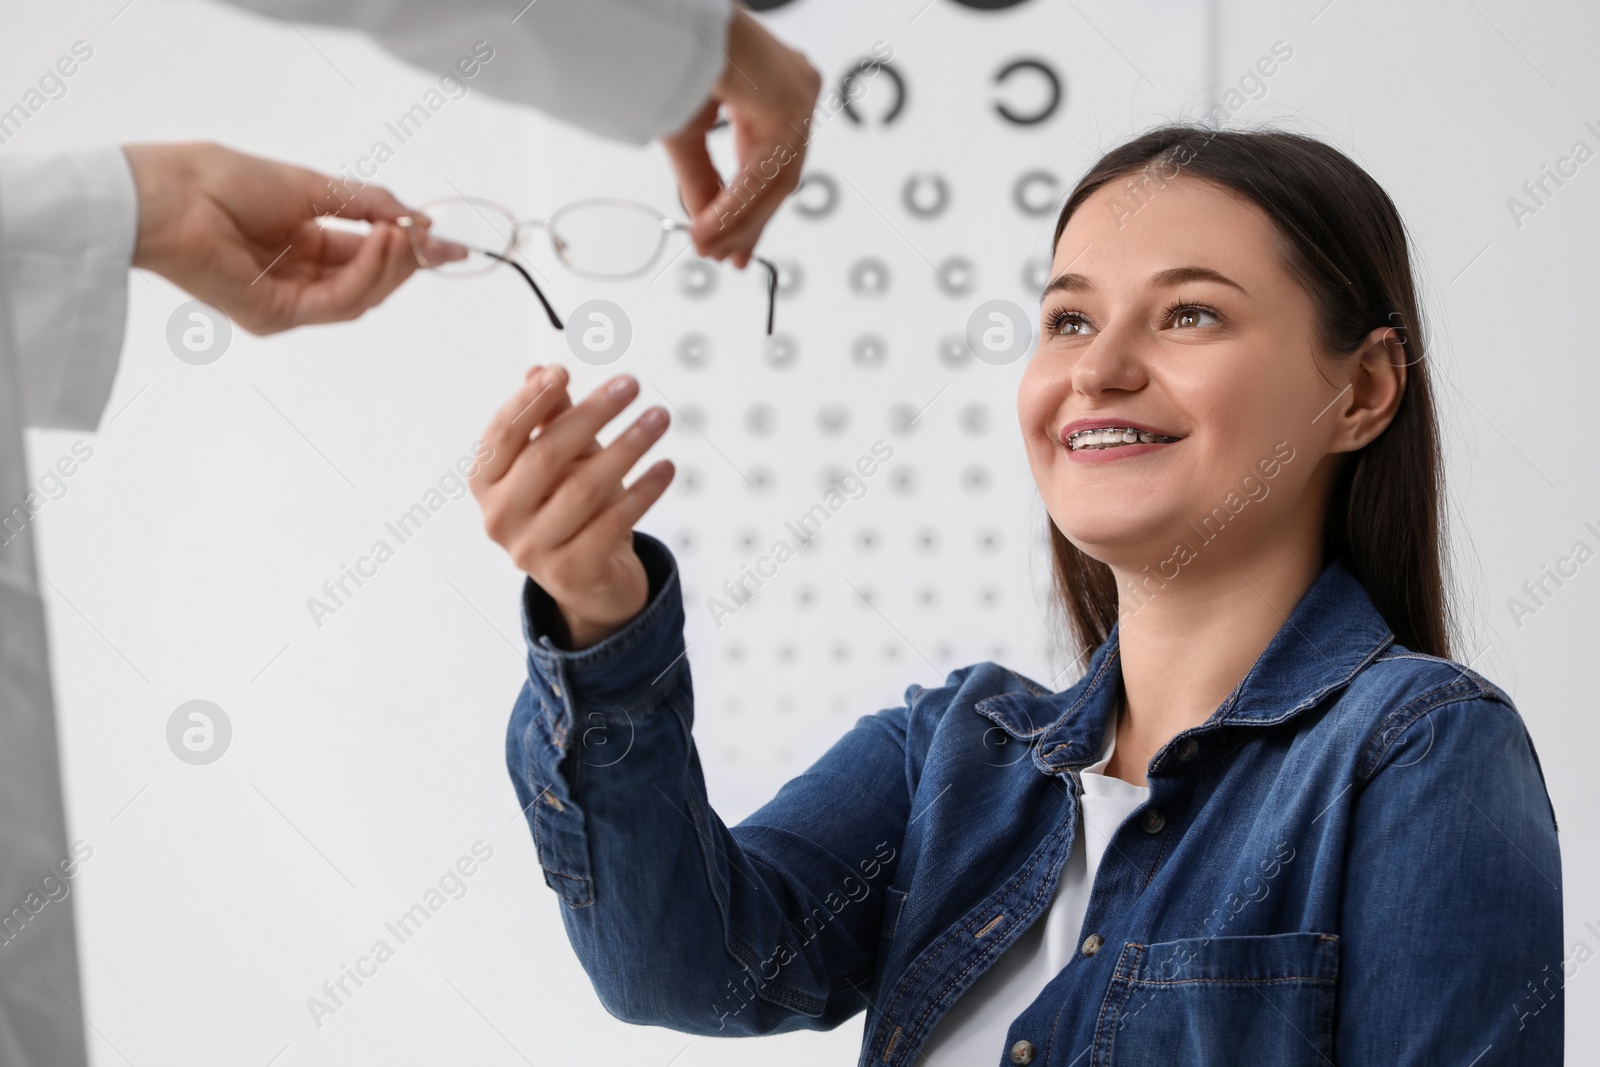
column 1110, row 423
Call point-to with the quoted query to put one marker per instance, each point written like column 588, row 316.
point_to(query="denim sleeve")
column 679, row 920
column 1451, row 940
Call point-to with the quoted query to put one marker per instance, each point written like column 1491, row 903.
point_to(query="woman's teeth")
column 1113, row 437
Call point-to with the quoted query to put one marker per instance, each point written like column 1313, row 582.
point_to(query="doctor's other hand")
column 556, row 502
column 241, row 233
column 768, row 91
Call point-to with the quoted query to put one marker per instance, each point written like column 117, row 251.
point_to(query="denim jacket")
column 1353, row 860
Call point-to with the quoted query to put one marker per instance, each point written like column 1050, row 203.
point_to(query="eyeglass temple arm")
column 548, row 310
column 772, row 288
column 772, row 270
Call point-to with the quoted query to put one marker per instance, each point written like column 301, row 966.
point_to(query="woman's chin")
column 1118, row 539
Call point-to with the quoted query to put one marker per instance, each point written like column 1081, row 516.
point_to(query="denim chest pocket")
column 1221, row 1001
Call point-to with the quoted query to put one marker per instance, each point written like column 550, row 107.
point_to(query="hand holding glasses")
column 468, row 236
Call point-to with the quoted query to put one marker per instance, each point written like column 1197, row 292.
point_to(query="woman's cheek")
column 1035, row 414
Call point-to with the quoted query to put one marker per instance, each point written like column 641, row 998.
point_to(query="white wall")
column 367, row 753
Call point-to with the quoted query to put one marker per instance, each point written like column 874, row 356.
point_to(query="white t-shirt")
column 974, row 1030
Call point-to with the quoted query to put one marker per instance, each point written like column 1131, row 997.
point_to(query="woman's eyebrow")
column 1080, row 283
column 1179, row 275
column 1066, row 283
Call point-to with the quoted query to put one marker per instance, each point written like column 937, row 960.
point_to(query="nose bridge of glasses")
column 520, row 229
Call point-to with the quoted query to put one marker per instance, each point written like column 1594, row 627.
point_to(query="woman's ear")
column 1377, row 385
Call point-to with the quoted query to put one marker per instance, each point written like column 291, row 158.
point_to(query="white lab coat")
column 627, row 69
column 630, row 70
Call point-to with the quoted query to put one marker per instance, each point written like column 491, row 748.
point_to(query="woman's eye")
column 1066, row 324
column 1189, row 316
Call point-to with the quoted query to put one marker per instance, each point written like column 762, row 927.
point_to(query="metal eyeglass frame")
column 519, row 227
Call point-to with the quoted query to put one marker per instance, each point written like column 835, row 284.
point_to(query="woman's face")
column 1178, row 317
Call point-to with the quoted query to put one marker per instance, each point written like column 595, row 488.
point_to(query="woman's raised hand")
column 554, row 500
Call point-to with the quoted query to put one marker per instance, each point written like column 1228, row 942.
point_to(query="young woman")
column 1272, row 823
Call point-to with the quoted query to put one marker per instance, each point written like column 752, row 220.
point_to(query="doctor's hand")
column 240, row 233
column 556, row 502
column 768, row 91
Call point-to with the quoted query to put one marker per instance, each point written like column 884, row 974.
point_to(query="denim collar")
column 1329, row 637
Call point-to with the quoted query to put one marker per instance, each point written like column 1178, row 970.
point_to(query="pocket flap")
column 1300, row 956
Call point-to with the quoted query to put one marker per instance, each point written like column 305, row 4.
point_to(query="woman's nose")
column 1113, row 360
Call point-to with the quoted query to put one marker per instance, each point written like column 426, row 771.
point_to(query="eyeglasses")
column 605, row 237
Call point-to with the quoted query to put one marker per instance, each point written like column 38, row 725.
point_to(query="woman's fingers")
column 541, row 397
column 698, row 180
column 572, row 569
column 333, row 247
column 568, row 434
column 359, row 283
column 563, row 439
column 399, row 263
column 616, row 520
column 554, row 498
column 596, row 483
column 539, row 442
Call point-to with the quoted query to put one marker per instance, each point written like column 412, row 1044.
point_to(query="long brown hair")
column 1343, row 241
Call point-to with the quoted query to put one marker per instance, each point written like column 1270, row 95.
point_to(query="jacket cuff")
column 625, row 671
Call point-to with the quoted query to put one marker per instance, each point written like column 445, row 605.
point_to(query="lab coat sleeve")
column 630, row 70
column 68, row 222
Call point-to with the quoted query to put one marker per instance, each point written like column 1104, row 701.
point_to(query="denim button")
column 1154, row 821
column 556, row 689
column 1187, row 750
column 1092, row 943
column 1022, row 1052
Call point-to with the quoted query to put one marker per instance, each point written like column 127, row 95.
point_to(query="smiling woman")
column 1275, row 269
column 1272, row 822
